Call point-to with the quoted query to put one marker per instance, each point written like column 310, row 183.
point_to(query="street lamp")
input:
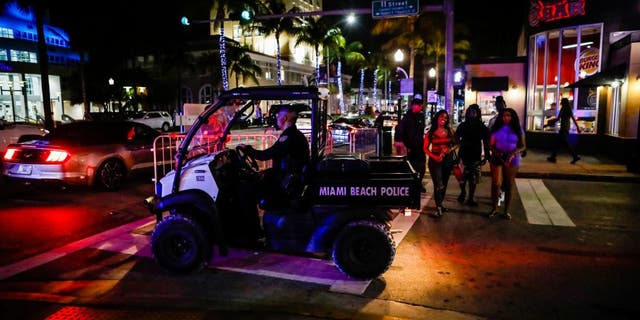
column 432, row 74
column 406, row 84
column 111, row 83
column 399, row 56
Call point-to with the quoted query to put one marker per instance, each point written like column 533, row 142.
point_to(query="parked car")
column 390, row 119
column 273, row 110
column 92, row 153
column 341, row 128
column 155, row 119
column 304, row 121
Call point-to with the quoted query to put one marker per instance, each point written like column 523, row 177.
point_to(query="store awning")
column 490, row 83
column 602, row 78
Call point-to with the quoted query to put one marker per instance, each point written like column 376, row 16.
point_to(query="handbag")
column 452, row 161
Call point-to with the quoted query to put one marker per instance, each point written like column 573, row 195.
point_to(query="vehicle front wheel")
column 165, row 127
column 363, row 250
column 180, row 245
column 110, row 175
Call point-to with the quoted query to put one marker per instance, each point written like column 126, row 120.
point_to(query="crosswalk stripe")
column 540, row 206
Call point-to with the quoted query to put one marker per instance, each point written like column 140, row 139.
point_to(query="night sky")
column 494, row 33
column 124, row 25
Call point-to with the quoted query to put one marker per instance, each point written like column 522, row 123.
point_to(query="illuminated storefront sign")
column 588, row 62
column 555, row 10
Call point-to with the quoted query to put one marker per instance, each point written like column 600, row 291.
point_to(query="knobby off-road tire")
column 364, row 250
column 180, row 245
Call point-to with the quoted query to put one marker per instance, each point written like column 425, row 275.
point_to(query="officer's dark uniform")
column 290, row 154
column 410, row 130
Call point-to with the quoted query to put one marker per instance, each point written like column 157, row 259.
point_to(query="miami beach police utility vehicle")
column 340, row 210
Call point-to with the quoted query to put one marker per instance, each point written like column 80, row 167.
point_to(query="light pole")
column 432, row 74
column 111, row 83
column 406, row 84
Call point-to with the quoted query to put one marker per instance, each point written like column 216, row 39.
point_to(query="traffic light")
column 247, row 15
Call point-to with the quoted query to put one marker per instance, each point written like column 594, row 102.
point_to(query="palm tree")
column 275, row 26
column 381, row 66
column 350, row 52
column 432, row 47
column 315, row 32
column 222, row 8
column 242, row 66
column 405, row 36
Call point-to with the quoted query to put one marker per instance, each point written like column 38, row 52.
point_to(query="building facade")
column 20, row 79
column 589, row 52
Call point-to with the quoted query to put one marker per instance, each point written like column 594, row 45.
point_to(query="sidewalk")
column 590, row 167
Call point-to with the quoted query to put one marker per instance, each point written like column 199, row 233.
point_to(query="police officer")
column 410, row 134
column 290, row 154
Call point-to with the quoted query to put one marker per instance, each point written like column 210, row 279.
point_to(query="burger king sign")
column 588, row 62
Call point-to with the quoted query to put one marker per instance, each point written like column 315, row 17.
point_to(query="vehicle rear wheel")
column 363, row 249
column 180, row 245
column 165, row 127
column 110, row 175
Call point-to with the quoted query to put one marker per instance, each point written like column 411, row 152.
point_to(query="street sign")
column 406, row 87
column 432, row 96
column 394, row 8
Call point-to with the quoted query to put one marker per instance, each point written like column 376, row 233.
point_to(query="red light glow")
column 57, row 156
column 8, row 155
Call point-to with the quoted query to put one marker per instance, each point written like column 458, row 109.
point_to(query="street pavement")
column 534, row 165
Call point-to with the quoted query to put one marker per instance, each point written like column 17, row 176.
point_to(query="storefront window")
column 559, row 58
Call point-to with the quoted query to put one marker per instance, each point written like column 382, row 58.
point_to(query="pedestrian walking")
column 259, row 116
column 500, row 105
column 473, row 137
column 409, row 136
column 562, row 138
column 440, row 145
column 506, row 143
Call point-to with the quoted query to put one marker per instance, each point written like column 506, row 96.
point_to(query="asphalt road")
column 81, row 252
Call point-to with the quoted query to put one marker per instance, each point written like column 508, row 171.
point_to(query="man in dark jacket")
column 410, row 133
column 290, row 154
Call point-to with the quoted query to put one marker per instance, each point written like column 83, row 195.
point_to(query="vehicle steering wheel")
column 245, row 158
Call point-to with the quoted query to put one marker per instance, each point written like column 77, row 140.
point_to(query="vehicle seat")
column 294, row 193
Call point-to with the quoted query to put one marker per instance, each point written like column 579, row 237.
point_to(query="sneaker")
column 501, row 198
column 506, row 216
column 461, row 198
column 551, row 159
column 472, row 203
column 437, row 214
column 575, row 160
column 492, row 214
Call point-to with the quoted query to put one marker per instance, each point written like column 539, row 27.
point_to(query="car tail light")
column 9, row 154
column 57, row 156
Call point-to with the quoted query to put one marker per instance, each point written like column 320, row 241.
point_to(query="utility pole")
column 448, row 57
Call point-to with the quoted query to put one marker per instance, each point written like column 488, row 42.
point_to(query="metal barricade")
column 166, row 146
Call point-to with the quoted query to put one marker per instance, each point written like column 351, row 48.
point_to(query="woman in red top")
column 439, row 144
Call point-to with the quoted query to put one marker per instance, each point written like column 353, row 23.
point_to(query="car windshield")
column 208, row 136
